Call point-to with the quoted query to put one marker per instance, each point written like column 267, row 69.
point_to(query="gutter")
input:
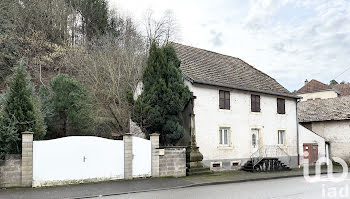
column 297, row 121
column 238, row 87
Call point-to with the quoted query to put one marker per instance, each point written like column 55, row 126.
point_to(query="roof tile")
column 214, row 68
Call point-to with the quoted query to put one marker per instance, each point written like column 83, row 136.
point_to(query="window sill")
column 224, row 110
column 225, row 147
column 255, row 113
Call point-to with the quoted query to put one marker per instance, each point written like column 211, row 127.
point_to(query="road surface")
column 287, row 188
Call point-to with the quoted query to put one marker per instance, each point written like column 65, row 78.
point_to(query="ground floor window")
column 281, row 137
column 224, row 136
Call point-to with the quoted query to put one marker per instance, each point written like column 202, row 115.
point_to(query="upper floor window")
column 281, row 106
column 224, row 99
column 255, row 103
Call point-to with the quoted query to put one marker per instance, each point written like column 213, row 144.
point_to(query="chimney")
column 306, row 81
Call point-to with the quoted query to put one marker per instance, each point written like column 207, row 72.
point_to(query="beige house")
column 317, row 90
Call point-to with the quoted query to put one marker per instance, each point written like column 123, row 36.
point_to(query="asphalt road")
column 289, row 188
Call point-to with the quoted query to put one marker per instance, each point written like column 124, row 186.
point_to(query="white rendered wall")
column 209, row 118
column 141, row 165
column 307, row 136
column 78, row 158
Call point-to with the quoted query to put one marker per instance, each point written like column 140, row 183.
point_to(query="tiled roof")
column 206, row 67
column 324, row 109
column 344, row 89
column 313, row 86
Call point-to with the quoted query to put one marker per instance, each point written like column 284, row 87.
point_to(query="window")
column 224, row 99
column 281, row 137
column 255, row 103
column 281, row 107
column 224, row 136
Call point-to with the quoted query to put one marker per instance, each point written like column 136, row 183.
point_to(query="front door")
column 255, row 140
column 310, row 152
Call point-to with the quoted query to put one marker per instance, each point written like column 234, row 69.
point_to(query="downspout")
column 297, row 120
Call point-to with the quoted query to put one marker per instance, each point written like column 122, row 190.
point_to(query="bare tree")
column 161, row 29
column 110, row 68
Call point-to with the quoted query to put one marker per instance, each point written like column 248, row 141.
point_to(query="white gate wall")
column 141, row 163
column 77, row 158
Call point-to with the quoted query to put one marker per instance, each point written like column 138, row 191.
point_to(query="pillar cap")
column 128, row 134
column 27, row 132
column 154, row 134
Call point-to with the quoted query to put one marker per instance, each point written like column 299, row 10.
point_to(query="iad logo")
column 327, row 190
column 319, row 162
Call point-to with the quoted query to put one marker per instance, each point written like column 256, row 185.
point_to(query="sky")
column 290, row 40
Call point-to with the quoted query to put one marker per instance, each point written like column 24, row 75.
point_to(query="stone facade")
column 336, row 133
column 10, row 171
column 172, row 161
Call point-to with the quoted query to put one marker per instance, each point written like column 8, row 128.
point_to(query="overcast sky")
column 290, row 40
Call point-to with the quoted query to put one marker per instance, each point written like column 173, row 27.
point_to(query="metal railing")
column 270, row 151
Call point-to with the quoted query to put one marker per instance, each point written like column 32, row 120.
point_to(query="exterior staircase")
column 268, row 158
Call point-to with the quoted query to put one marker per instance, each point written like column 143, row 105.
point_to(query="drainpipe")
column 297, row 120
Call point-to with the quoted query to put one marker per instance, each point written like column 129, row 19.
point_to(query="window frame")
column 283, row 132
column 222, row 137
column 255, row 103
column 224, row 100
column 281, row 110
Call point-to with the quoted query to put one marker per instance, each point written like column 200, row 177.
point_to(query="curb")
column 194, row 185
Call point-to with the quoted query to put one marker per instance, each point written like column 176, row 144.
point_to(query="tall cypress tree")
column 159, row 107
column 21, row 111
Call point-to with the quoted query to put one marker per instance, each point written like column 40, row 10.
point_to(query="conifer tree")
column 67, row 107
column 21, row 112
column 158, row 109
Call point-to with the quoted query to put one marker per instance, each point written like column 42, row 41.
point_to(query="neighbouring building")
column 317, row 90
column 329, row 118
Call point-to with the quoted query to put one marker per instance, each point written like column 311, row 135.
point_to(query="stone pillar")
column 128, row 156
column 155, row 154
column 27, row 158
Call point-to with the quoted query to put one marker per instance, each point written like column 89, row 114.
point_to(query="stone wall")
column 336, row 133
column 17, row 170
column 10, row 171
column 172, row 161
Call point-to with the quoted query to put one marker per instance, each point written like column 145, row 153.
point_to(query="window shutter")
column 281, row 109
column 255, row 103
column 221, row 99
column 227, row 100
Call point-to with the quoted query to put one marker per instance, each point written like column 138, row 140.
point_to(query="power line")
column 341, row 73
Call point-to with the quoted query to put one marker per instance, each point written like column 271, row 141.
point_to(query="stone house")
column 239, row 110
column 329, row 118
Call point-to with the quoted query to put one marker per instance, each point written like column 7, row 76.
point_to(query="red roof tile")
column 313, row 86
